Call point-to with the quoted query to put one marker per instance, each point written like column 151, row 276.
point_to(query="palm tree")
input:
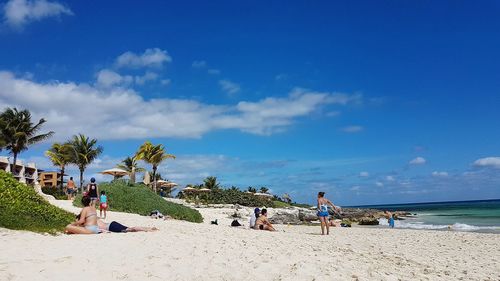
column 287, row 198
column 264, row 189
column 130, row 165
column 211, row 183
column 84, row 152
column 18, row 132
column 60, row 156
column 252, row 189
column 156, row 177
column 154, row 155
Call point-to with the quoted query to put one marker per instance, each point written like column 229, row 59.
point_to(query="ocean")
column 477, row 216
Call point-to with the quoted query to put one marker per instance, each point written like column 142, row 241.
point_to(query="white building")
column 23, row 173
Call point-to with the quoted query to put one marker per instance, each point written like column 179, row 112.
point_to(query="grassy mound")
column 21, row 208
column 138, row 199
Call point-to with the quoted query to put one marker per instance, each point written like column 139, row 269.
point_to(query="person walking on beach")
column 103, row 204
column 323, row 212
column 92, row 190
column 263, row 223
column 70, row 188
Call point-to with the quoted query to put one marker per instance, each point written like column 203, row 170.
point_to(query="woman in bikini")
column 323, row 212
column 87, row 223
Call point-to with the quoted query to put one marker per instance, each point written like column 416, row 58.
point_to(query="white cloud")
column 390, row 178
column 108, row 78
column 150, row 58
column 117, row 112
column 352, row 129
column 355, row 188
column 379, row 184
column 18, row 13
column 229, row 87
column 488, row 162
column 439, row 174
column 364, row 174
column 213, row 71
column 199, row 64
column 148, row 76
column 165, row 82
column 418, row 161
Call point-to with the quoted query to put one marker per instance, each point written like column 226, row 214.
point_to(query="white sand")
column 188, row 251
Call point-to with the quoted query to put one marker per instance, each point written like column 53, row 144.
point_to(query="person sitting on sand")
column 263, row 223
column 118, row 227
column 390, row 218
column 87, row 222
column 323, row 212
column 254, row 216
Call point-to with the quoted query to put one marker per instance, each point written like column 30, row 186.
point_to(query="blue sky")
column 372, row 102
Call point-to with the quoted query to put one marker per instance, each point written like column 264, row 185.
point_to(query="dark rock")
column 368, row 221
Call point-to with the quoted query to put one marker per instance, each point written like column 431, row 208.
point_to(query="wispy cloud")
column 364, row 174
column 352, row 129
column 213, row 71
column 199, row 64
column 493, row 162
column 118, row 112
column 229, row 87
column 417, row 161
column 18, row 13
column 439, row 174
column 150, row 58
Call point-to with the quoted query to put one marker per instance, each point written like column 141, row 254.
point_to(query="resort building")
column 53, row 179
column 23, row 173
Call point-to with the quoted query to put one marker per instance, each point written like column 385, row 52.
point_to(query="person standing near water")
column 323, row 212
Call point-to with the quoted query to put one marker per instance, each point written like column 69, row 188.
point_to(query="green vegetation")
column 130, row 165
column 60, row 156
column 84, row 152
column 21, row 208
column 57, row 192
column 234, row 195
column 154, row 155
column 18, row 132
column 139, row 199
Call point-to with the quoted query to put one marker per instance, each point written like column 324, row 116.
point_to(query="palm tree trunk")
column 81, row 180
column 13, row 169
column 62, row 177
column 154, row 178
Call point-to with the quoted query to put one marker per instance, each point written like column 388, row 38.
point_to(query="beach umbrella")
column 263, row 194
column 204, row 190
column 166, row 183
column 189, row 189
column 115, row 172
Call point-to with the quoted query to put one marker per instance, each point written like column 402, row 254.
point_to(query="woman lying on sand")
column 86, row 223
column 118, row 227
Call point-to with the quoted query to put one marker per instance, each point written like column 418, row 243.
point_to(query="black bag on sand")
column 235, row 223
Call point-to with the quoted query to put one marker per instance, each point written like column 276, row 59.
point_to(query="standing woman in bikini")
column 323, row 212
column 87, row 223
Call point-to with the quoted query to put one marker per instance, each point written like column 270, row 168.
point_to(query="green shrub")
column 57, row 192
column 139, row 199
column 22, row 208
column 230, row 196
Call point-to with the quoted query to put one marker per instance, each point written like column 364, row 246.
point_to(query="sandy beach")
column 189, row 251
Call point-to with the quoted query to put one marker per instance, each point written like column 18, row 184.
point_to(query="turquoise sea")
column 477, row 216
